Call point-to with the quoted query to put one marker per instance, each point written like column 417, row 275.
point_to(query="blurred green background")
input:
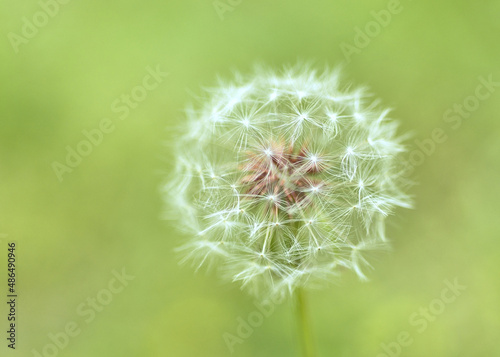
column 105, row 214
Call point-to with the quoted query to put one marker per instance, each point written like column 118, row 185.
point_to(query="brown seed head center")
column 284, row 176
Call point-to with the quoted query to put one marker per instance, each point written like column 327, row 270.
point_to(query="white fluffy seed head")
column 286, row 178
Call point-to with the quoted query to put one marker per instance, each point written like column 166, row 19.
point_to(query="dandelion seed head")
column 288, row 186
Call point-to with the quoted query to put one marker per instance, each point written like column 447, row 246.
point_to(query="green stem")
column 304, row 324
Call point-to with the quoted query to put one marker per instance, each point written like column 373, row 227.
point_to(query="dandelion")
column 285, row 179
